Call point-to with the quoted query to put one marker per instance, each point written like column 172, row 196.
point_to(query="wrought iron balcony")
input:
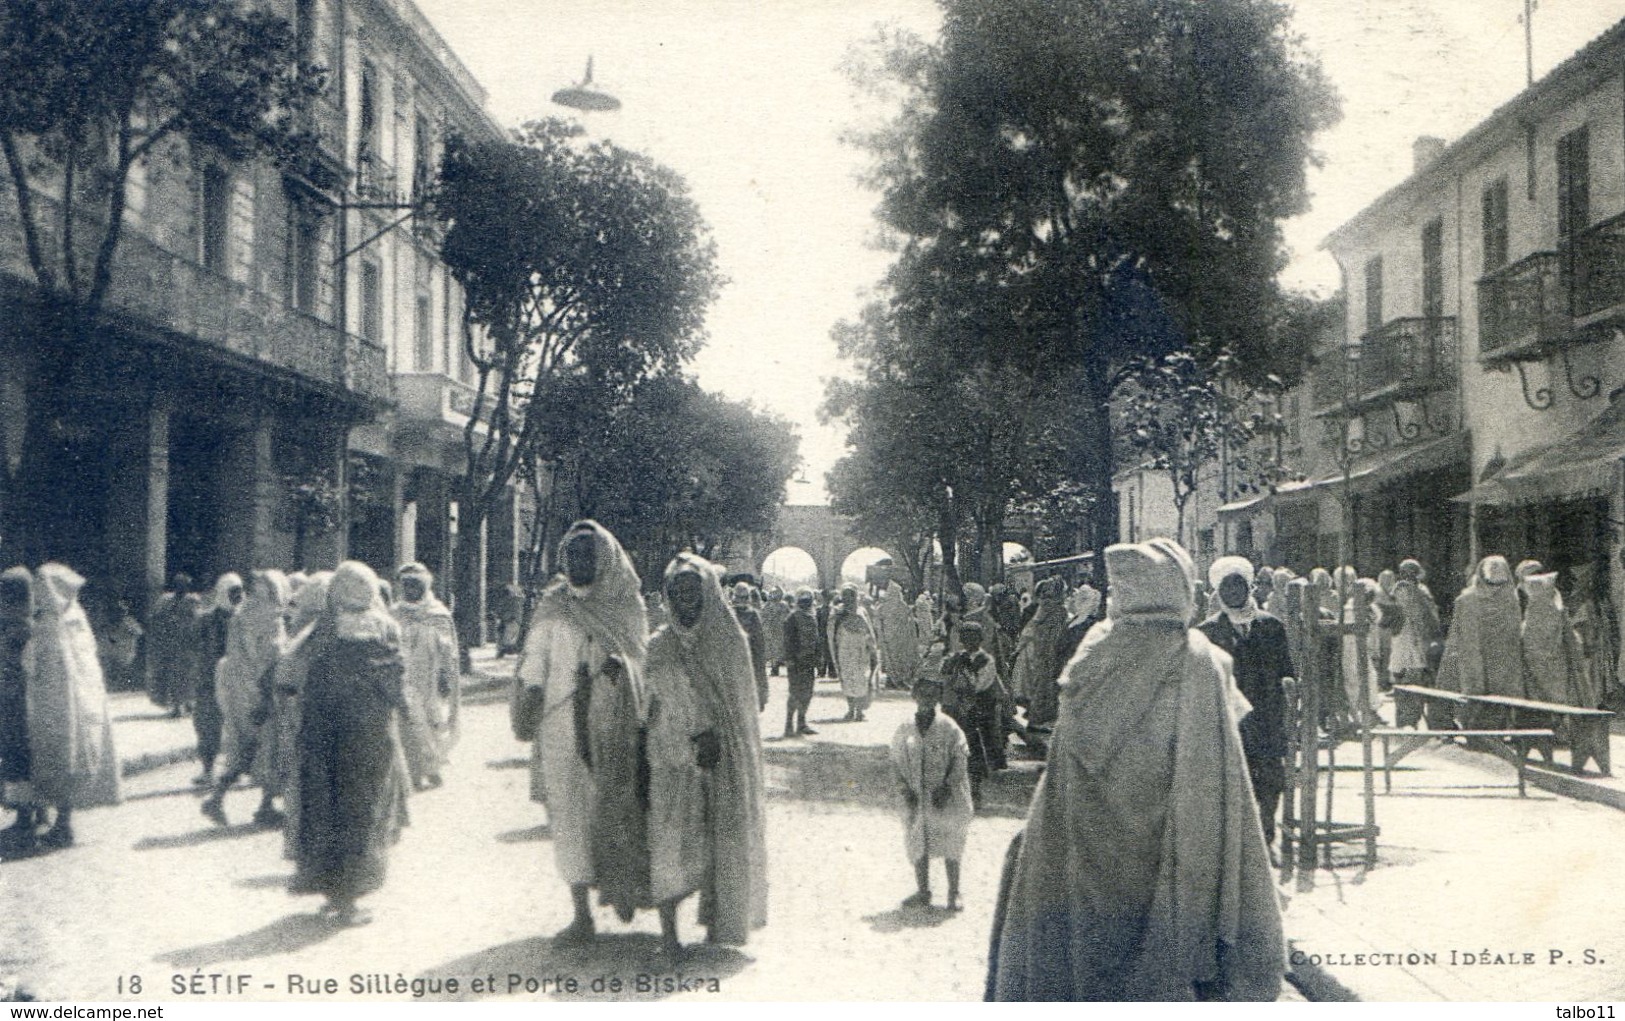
column 1405, row 359
column 375, row 180
column 1523, row 308
column 1597, row 271
column 1408, row 357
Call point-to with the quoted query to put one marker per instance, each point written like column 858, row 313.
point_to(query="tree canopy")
column 676, row 467
column 1077, row 188
column 88, row 89
column 576, row 258
column 587, row 272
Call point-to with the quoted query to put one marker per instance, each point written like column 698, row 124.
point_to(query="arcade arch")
column 854, row 568
column 789, row 568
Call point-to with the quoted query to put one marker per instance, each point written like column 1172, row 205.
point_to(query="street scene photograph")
column 510, row 501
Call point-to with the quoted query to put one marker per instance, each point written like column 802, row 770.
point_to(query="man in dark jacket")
column 751, row 622
column 1257, row 642
column 802, row 654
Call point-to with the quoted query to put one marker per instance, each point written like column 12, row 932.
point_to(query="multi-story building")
column 1474, row 407
column 280, row 382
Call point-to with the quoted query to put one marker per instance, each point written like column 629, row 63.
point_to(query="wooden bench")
column 1410, row 740
column 1441, row 709
column 1586, row 729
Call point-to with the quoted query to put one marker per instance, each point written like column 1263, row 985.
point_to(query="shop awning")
column 1388, row 466
column 1239, row 507
column 1585, row 463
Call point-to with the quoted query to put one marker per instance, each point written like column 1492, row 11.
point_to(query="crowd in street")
column 1161, row 712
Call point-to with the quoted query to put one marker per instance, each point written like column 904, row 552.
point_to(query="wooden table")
column 1414, row 703
column 1410, row 740
column 1587, row 729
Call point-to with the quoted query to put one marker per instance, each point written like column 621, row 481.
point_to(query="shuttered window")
column 1495, row 225
column 1574, row 182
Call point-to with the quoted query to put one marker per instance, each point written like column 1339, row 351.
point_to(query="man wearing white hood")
column 1257, row 642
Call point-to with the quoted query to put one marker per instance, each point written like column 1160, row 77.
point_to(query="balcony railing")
column 182, row 297
column 1404, row 359
column 1523, row 307
column 1407, row 357
column 375, row 180
column 1597, row 268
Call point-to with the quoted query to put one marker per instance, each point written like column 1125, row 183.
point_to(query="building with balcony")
column 279, row 379
column 1472, row 404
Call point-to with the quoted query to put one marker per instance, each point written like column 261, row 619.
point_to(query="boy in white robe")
column 929, row 754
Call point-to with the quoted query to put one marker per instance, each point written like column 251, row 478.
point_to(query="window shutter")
column 242, row 227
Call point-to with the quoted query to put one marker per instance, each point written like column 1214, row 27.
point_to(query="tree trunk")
column 1097, row 467
column 35, row 511
column 948, row 537
column 989, row 538
column 466, row 572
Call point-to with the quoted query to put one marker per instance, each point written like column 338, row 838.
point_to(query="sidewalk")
column 1477, row 894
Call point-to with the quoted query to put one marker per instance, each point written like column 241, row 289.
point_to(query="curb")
column 1574, row 787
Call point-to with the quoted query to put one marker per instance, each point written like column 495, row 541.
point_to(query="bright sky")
column 746, row 100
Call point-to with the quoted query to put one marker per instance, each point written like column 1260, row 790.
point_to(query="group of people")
column 335, row 692
column 645, row 748
column 1511, row 634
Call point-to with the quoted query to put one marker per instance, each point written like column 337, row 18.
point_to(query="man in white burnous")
column 580, row 693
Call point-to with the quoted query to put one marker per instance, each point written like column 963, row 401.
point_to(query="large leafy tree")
column 676, row 467
column 1096, row 183
column 586, row 268
column 945, row 435
column 88, row 88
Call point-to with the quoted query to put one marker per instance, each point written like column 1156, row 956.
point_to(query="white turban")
column 1224, row 567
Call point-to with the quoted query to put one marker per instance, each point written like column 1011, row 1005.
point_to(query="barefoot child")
column 929, row 755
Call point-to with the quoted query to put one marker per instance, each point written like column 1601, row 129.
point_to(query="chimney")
column 1424, row 151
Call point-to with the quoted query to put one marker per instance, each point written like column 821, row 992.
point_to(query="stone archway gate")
column 819, row 531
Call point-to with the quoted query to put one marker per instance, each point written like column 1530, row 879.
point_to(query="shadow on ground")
column 197, row 838
column 862, row 775
column 171, row 792
column 901, row 919
column 622, row 966
column 273, row 882
column 285, row 935
column 525, row 836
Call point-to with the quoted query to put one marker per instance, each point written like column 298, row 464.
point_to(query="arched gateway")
column 816, row 529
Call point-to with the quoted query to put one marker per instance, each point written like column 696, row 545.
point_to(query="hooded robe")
column 1143, row 873
column 1036, row 668
column 1484, row 653
column 706, row 827
column 432, row 688
column 894, row 632
column 588, row 713
column 70, row 734
column 852, row 646
column 1554, row 664
column 254, row 638
column 351, row 786
column 287, row 681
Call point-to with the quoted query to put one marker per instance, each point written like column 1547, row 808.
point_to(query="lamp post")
column 1354, row 598
column 584, row 97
